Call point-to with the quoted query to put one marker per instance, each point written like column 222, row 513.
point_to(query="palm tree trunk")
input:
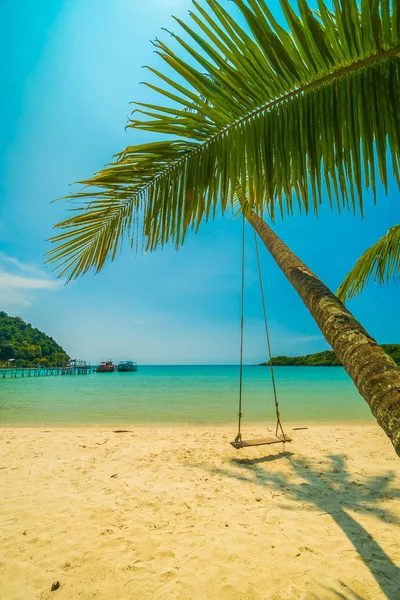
column 374, row 373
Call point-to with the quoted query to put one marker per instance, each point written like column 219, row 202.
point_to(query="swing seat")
column 261, row 442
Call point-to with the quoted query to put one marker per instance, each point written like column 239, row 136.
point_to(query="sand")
column 177, row 513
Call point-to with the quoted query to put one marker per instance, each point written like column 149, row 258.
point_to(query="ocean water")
column 191, row 395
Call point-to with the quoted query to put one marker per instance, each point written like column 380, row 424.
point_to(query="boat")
column 127, row 366
column 106, row 367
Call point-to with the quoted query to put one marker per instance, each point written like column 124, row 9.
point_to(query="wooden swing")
column 280, row 436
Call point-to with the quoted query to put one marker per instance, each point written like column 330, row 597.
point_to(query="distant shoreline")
column 325, row 359
column 298, row 366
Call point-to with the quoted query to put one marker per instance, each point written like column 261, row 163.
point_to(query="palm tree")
column 381, row 261
column 290, row 111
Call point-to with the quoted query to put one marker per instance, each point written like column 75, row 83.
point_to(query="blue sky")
column 71, row 69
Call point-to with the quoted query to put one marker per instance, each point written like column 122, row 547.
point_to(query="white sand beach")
column 177, row 513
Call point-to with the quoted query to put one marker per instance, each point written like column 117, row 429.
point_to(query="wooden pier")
column 76, row 367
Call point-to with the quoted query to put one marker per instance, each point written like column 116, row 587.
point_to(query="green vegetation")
column 381, row 262
column 326, row 359
column 24, row 346
column 302, row 112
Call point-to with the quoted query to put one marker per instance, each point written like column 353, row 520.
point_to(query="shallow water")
column 192, row 395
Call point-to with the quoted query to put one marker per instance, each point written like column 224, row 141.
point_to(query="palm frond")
column 290, row 110
column 380, row 262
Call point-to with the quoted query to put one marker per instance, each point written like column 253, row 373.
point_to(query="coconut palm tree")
column 293, row 115
column 381, row 261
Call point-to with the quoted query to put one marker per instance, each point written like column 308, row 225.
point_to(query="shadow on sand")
column 333, row 492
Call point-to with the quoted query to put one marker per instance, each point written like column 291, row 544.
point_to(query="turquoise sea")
column 191, row 395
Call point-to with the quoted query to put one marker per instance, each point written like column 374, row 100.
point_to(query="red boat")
column 106, row 367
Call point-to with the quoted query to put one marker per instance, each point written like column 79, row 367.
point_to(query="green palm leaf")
column 289, row 110
column 380, row 262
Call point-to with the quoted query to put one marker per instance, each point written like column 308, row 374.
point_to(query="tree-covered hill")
column 26, row 346
column 326, row 359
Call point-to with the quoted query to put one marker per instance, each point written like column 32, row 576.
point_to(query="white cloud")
column 14, row 262
column 19, row 282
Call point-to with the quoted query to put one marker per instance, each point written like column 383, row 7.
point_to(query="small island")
column 325, row 359
column 22, row 345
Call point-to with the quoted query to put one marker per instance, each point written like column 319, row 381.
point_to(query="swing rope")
column 278, row 416
column 240, row 415
column 238, row 439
